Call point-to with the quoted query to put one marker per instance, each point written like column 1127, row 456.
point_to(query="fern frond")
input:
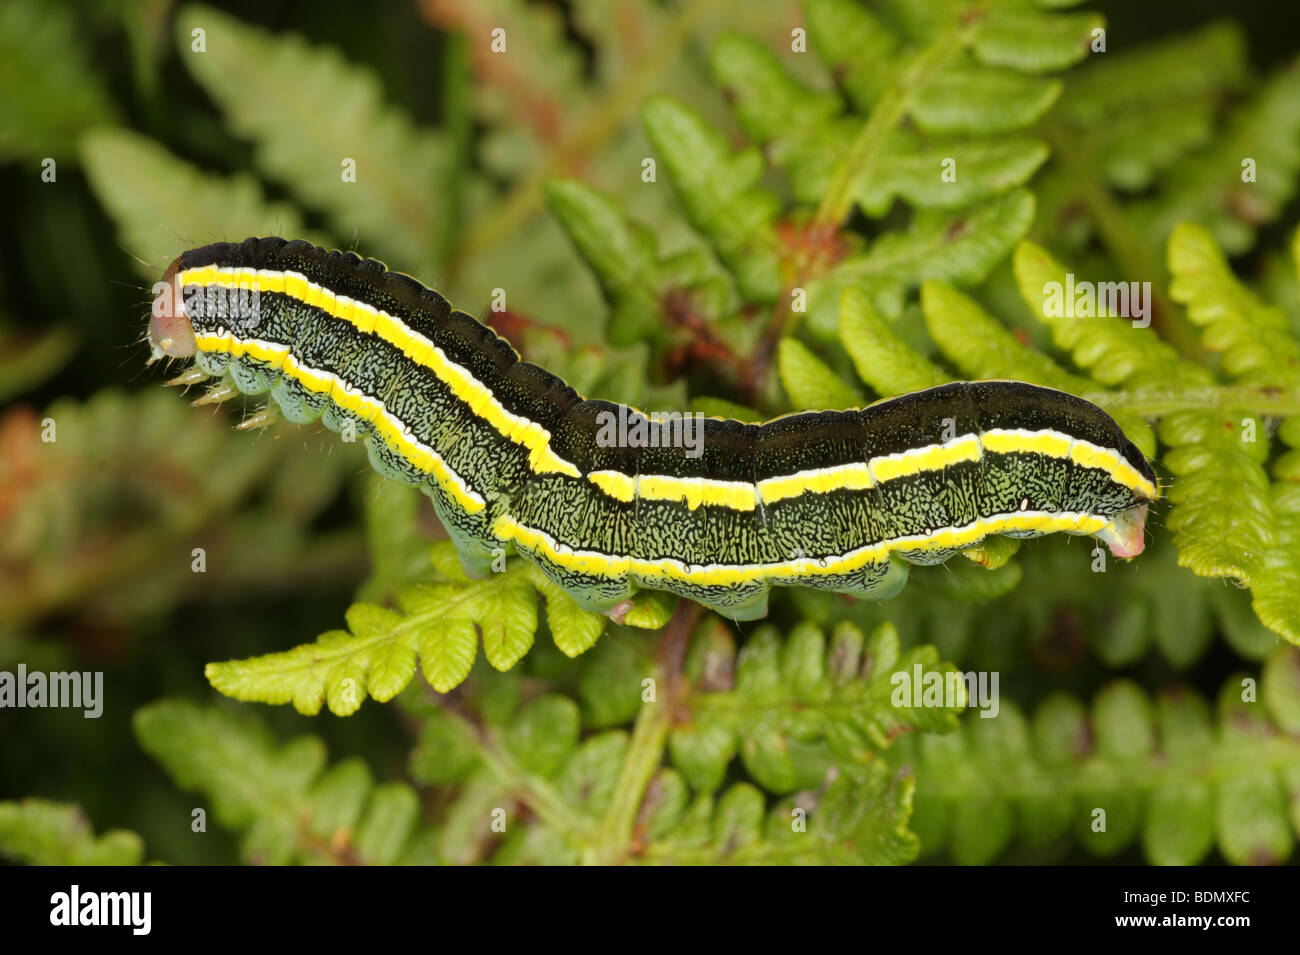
column 1255, row 339
column 49, row 89
column 1109, row 347
column 287, row 804
column 1165, row 775
column 1223, row 519
column 163, row 205
column 1212, row 188
column 805, row 133
column 440, row 623
column 521, row 758
column 1033, row 40
column 809, row 381
column 1172, row 126
column 802, row 713
column 308, row 111
column 103, row 522
column 649, row 295
column 1233, row 523
column 28, row 358
column 961, row 247
column 982, row 348
column 40, row 832
column 720, row 193
column 882, row 359
column 794, row 707
column 801, row 129
column 855, row 820
column 1134, row 112
column 813, row 148
column 955, row 74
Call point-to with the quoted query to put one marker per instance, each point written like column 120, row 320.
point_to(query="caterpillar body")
column 509, row 453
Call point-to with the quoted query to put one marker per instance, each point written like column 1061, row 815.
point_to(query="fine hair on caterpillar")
column 511, row 454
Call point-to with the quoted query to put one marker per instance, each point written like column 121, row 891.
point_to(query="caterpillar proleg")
column 509, row 453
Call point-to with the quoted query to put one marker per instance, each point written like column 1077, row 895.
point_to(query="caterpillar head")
column 170, row 332
column 1125, row 535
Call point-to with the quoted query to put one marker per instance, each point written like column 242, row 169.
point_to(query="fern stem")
column 645, row 751
column 644, row 755
column 1157, row 402
column 599, row 125
column 536, row 792
column 456, row 124
column 1127, row 247
column 860, row 161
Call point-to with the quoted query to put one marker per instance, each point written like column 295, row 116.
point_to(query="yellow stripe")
column 741, row 496
column 696, row 491
column 858, row 476
column 1084, row 453
column 922, row 460
column 737, row 495
column 368, row 409
column 847, row 477
column 1051, row 443
column 596, row 564
column 413, row 345
column 1090, row 456
column 614, row 483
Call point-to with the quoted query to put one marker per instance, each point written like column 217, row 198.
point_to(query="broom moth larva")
column 510, row 454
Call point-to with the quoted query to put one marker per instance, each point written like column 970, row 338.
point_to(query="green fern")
column 272, row 90
column 649, row 294
column 1227, row 519
column 49, row 91
column 99, row 535
column 287, row 804
column 720, row 195
column 1178, row 126
column 849, row 822
column 40, row 832
column 440, row 622
column 1259, row 352
column 1165, row 775
column 163, row 205
column 609, row 797
column 793, row 709
column 810, row 382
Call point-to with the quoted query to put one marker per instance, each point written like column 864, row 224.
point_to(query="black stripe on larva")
column 574, row 438
column 724, row 451
column 534, row 393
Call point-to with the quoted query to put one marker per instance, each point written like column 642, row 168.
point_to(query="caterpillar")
column 510, row 454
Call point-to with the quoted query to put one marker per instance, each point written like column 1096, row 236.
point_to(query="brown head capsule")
column 170, row 332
